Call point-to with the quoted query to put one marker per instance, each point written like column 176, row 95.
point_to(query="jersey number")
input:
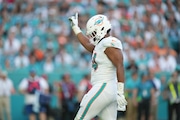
column 94, row 64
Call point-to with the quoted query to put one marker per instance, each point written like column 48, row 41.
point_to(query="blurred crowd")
column 36, row 34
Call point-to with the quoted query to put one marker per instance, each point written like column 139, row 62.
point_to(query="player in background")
column 107, row 74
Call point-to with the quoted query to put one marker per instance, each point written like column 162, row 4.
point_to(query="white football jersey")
column 103, row 69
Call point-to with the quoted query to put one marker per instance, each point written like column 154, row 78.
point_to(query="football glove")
column 120, row 97
column 74, row 23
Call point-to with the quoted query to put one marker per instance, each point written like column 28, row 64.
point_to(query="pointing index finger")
column 76, row 15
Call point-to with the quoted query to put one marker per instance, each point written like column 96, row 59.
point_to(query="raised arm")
column 85, row 42
column 83, row 39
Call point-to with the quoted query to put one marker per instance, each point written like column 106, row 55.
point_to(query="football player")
column 107, row 75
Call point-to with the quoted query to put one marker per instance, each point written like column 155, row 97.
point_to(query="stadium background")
column 42, row 31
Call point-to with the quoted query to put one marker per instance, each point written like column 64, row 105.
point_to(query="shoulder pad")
column 112, row 42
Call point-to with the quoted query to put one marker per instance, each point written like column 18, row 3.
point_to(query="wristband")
column 76, row 29
column 120, row 87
